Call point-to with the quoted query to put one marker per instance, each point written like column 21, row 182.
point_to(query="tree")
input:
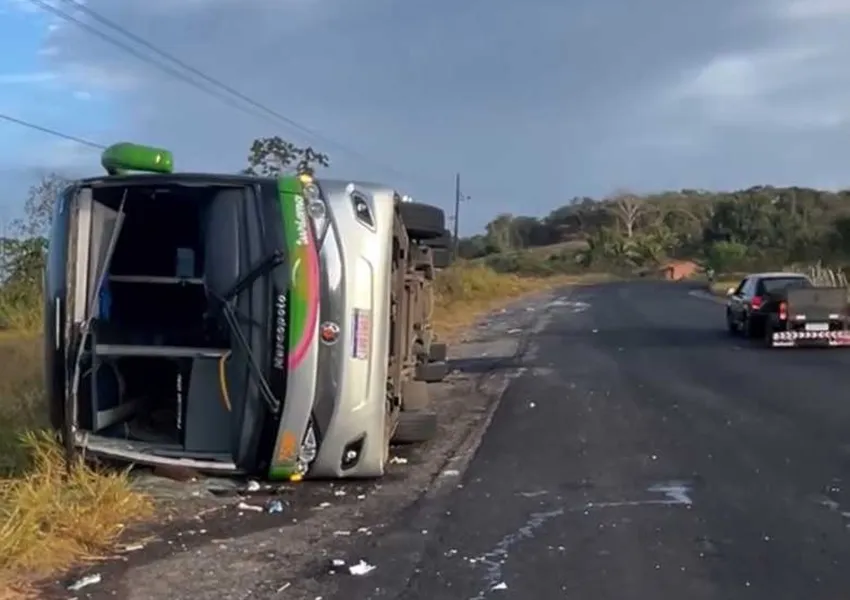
column 273, row 156
column 38, row 207
column 627, row 208
column 725, row 256
column 500, row 233
column 23, row 253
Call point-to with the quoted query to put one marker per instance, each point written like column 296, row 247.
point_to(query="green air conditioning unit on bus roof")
column 124, row 157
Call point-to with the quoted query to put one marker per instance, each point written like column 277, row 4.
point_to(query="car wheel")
column 423, row 221
column 442, row 258
column 439, row 352
column 767, row 335
column 415, row 426
column 731, row 326
column 415, row 396
column 753, row 327
column 432, row 372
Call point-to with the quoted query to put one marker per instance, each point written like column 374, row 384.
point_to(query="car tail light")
column 783, row 311
column 756, row 302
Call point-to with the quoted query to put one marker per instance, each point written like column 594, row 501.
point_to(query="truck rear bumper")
column 794, row 339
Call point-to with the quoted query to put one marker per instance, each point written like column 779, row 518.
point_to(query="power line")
column 259, row 109
column 141, row 56
column 53, row 132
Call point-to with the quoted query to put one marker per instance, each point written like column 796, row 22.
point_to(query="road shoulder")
column 228, row 549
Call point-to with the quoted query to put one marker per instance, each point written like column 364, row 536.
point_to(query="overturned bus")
column 278, row 327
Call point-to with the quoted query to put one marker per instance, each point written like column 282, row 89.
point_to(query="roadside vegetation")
column 760, row 228
column 52, row 518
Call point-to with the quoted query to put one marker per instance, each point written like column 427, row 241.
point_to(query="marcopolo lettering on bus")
column 280, row 332
column 301, row 221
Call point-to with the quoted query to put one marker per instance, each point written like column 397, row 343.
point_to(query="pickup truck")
column 787, row 310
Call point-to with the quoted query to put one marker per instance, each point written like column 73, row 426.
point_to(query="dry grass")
column 468, row 290
column 50, row 518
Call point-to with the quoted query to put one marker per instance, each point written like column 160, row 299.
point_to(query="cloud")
column 586, row 95
column 27, row 78
column 797, row 10
column 795, row 79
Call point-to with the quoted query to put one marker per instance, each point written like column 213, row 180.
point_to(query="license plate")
column 817, row 326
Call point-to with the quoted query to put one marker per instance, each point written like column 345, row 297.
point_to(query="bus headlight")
column 309, row 450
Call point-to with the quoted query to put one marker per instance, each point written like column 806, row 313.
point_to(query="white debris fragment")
column 398, row 460
column 323, row 505
column 500, row 586
column 253, row 486
column 514, row 331
column 533, row 494
column 595, row 331
column 338, row 562
column 531, row 405
column 339, row 493
column 132, row 547
column 246, row 506
column 341, row 533
column 85, row 582
column 450, row 473
column 361, row 568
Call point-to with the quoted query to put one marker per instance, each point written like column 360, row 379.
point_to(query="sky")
column 532, row 102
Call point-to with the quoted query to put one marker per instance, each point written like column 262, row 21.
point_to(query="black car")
column 788, row 310
column 746, row 310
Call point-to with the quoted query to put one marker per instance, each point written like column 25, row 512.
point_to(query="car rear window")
column 777, row 284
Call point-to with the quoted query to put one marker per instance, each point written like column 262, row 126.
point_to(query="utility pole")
column 457, row 216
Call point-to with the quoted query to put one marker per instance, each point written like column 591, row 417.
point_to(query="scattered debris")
column 339, row 492
column 514, row 331
column 398, row 460
column 85, row 582
column 361, row 568
column 323, row 505
column 246, row 506
column 594, row 330
column 132, row 547
column 450, row 473
column 283, row 587
column 500, row 586
column 274, row 506
column 341, row 533
column 253, row 486
column 534, row 494
column 531, row 405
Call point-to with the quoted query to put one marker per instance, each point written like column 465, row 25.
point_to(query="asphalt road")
column 642, row 454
